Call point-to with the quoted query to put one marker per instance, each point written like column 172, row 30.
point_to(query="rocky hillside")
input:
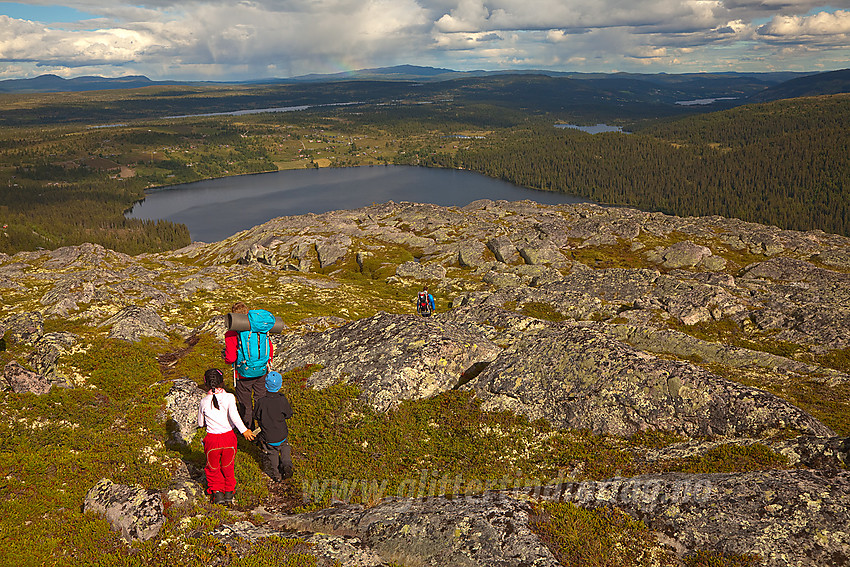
column 684, row 379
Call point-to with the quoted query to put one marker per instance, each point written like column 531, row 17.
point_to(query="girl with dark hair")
column 217, row 412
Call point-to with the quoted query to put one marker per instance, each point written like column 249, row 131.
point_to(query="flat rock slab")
column 794, row 517
column 489, row 531
column 330, row 549
column 576, row 377
column 389, row 357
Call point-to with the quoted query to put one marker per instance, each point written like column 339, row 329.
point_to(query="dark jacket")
column 271, row 412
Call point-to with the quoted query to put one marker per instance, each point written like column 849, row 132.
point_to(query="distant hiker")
column 425, row 303
column 217, row 412
column 249, row 353
column 271, row 412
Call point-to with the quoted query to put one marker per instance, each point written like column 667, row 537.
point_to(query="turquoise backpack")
column 252, row 359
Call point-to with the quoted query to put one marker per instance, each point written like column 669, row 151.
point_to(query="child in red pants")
column 217, row 412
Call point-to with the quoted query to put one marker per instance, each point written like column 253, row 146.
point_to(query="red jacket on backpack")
column 231, row 348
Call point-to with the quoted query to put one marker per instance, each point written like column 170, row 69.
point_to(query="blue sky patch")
column 44, row 14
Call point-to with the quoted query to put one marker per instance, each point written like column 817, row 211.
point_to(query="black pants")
column 278, row 461
column 248, row 390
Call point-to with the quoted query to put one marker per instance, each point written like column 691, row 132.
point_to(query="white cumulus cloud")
column 229, row 39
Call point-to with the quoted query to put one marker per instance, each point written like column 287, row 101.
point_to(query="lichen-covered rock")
column 181, row 404
column 134, row 322
column 24, row 327
column 490, row 531
column 48, row 348
column 800, row 302
column 682, row 345
column 504, row 250
column 21, row 380
column 577, row 377
column 684, row 254
column 184, row 488
column 472, row 254
column 503, row 279
column 839, row 257
column 389, row 357
column 539, row 252
column 329, row 549
column 793, row 517
column 502, row 327
column 331, row 250
column 84, row 256
column 134, row 512
column 804, row 451
column 419, row 271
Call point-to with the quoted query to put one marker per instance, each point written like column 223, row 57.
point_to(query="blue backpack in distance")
column 252, row 359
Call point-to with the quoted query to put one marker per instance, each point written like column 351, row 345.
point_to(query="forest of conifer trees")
column 784, row 163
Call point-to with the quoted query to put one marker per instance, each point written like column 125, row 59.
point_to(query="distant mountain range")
column 56, row 84
column 830, row 82
column 669, row 88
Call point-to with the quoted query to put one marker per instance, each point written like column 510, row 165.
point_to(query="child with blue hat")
column 271, row 413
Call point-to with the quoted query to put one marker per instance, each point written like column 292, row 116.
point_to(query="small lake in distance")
column 597, row 129
column 217, row 208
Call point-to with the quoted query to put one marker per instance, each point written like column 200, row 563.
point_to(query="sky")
column 231, row 40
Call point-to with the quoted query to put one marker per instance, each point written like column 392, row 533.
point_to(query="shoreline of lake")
column 216, row 208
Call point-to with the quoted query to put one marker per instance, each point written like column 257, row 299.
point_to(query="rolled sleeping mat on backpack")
column 239, row 322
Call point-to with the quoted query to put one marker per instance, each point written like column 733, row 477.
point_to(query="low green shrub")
column 603, row 537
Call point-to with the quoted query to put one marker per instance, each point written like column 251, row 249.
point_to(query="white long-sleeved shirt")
column 223, row 419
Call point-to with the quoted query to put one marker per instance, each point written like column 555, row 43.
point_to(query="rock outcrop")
column 578, row 378
column 133, row 322
column 795, row 517
column 389, row 357
column 788, row 518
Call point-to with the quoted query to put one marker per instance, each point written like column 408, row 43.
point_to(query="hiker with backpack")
column 271, row 412
column 217, row 412
column 425, row 303
column 250, row 353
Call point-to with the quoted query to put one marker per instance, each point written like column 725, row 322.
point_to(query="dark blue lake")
column 217, row 208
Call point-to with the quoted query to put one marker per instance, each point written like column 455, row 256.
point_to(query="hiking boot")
column 218, row 498
column 228, row 498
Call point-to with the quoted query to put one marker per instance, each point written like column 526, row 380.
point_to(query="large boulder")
column 578, row 377
column 684, row 254
column 134, row 512
column 389, row 357
column 21, row 380
column 504, row 250
column 181, row 404
column 472, row 254
column 539, row 252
